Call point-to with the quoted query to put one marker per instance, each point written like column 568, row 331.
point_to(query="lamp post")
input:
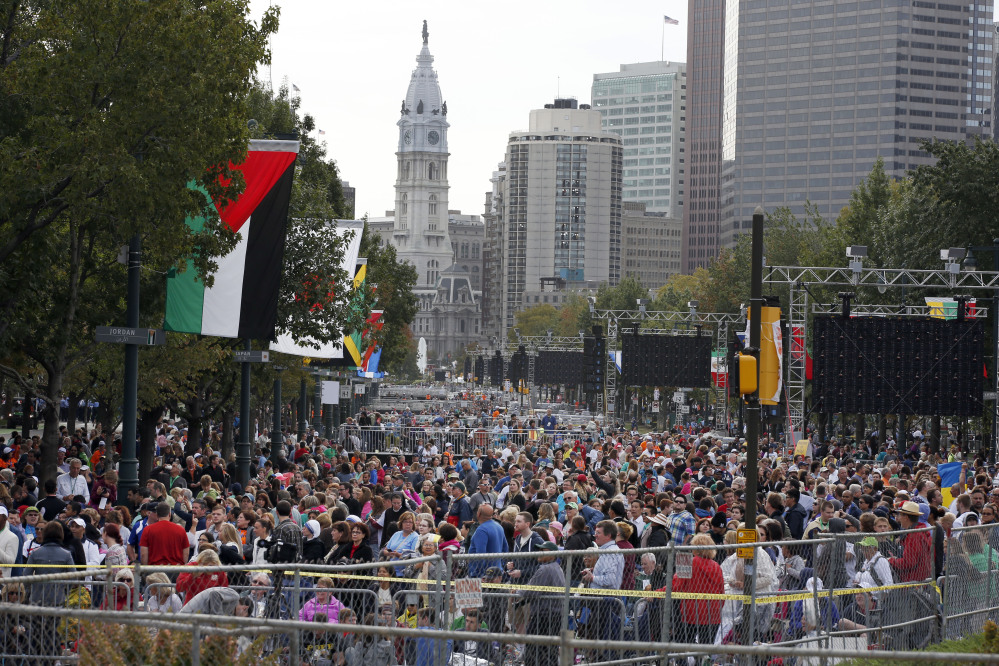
column 243, row 446
column 753, row 412
column 129, row 466
column 971, row 264
column 277, row 440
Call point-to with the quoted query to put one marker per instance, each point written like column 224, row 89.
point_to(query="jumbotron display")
column 877, row 365
column 553, row 368
column 666, row 360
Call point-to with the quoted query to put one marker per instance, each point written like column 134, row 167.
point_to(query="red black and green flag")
column 242, row 302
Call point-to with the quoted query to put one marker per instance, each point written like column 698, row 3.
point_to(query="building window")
column 475, row 250
column 432, row 171
column 433, row 204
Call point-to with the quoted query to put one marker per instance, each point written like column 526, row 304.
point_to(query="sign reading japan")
column 126, row 335
column 251, row 356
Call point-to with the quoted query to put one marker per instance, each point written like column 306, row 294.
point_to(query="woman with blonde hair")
column 702, row 616
column 190, row 585
column 161, row 598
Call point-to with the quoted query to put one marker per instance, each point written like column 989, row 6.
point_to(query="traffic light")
column 734, row 347
column 747, row 373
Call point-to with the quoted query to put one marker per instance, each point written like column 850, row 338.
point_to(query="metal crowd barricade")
column 696, row 599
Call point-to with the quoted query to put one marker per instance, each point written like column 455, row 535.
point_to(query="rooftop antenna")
column 558, row 86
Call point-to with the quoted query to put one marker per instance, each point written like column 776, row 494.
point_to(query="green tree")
column 961, row 191
column 110, row 108
column 623, row 296
column 535, row 320
column 856, row 222
column 395, row 298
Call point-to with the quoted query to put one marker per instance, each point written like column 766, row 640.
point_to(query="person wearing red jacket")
column 190, row 584
column 915, row 561
column 701, row 616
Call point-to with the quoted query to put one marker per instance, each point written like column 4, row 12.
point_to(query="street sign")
column 345, row 391
column 655, row 406
column 329, row 393
column 125, row 335
column 989, row 396
column 249, row 356
column 684, row 409
column 678, row 397
column 634, row 399
column 358, row 389
column 468, row 593
column 746, row 535
column 655, row 394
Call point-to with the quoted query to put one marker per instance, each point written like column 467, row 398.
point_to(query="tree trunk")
column 193, row 436
column 74, row 398
column 147, row 440
column 228, row 445
column 50, row 432
column 935, row 435
column 823, row 418
column 860, row 426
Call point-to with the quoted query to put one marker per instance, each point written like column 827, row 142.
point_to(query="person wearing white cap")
column 9, row 544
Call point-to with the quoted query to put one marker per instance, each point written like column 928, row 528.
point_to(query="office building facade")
column 650, row 245
column 645, row 104
column 555, row 213
column 814, row 91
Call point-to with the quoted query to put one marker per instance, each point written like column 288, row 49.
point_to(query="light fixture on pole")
column 952, row 257
column 856, row 255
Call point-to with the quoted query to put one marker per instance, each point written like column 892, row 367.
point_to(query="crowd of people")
column 602, row 490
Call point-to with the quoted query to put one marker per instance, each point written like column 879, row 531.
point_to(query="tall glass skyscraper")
column 645, row 104
column 813, row 91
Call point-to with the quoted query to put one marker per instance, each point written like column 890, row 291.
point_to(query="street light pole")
column 753, row 411
column 276, row 438
column 243, row 446
column 128, row 473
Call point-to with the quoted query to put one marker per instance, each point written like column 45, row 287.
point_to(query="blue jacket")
column 488, row 537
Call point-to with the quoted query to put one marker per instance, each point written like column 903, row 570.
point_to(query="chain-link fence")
column 850, row 592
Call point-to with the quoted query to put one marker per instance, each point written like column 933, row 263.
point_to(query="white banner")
column 779, row 344
column 329, row 393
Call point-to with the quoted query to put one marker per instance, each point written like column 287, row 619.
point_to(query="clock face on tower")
column 433, row 137
column 408, row 137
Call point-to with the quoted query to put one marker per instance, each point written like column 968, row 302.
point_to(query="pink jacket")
column 312, row 606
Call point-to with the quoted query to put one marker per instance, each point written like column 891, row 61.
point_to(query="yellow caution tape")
column 645, row 594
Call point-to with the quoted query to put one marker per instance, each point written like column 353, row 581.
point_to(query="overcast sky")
column 495, row 62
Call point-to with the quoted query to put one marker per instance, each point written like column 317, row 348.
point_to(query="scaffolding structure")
column 800, row 278
column 718, row 322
